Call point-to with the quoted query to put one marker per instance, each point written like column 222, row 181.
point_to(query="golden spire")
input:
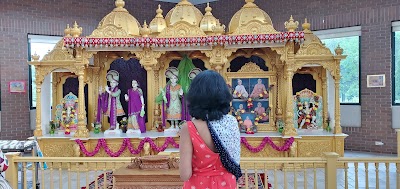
column 76, row 31
column 291, row 25
column 145, row 31
column 306, row 26
column 35, row 57
column 67, row 31
column 209, row 24
column 250, row 3
column 158, row 24
column 184, row 2
column 159, row 12
column 208, row 9
column 119, row 4
column 338, row 50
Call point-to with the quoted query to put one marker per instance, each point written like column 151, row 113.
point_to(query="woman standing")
column 210, row 143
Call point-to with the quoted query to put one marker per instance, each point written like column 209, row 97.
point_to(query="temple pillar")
column 289, row 129
column 338, row 128
column 38, row 130
column 156, row 108
column 149, row 60
column 325, row 100
column 151, row 95
column 82, row 131
column 279, row 93
column 54, row 81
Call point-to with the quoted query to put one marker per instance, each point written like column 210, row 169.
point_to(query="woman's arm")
column 186, row 153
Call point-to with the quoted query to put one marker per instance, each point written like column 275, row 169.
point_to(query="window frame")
column 395, row 28
column 340, row 33
column 29, row 58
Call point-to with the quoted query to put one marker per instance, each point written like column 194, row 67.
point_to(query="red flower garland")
column 266, row 141
column 169, row 140
column 126, row 143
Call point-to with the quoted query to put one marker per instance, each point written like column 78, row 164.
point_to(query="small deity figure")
column 240, row 90
column 259, row 90
column 259, row 110
column 172, row 98
column 135, row 99
column 114, row 108
column 307, row 116
column 69, row 113
column 249, row 125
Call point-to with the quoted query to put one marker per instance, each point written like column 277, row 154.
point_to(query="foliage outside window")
column 396, row 68
column 40, row 47
column 349, row 67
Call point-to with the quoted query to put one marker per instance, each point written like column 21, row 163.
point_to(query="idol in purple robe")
column 136, row 119
column 114, row 107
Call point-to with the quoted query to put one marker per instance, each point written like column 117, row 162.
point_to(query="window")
column 396, row 63
column 349, row 40
column 40, row 45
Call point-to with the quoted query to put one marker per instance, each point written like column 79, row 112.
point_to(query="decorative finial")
column 249, row 3
column 158, row 24
column 218, row 29
column 67, row 31
column 184, row 2
column 291, row 26
column 159, row 12
column 76, row 31
column 120, row 3
column 339, row 50
column 145, row 31
column 208, row 9
column 306, row 26
column 35, row 57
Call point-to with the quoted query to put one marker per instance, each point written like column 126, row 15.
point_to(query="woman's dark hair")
column 209, row 95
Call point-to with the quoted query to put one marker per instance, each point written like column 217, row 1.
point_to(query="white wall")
column 396, row 117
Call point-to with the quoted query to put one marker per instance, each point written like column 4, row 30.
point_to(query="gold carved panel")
column 57, row 147
column 182, row 29
column 109, row 31
column 314, row 148
column 59, row 53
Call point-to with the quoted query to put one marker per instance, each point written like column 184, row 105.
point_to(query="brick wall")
column 20, row 17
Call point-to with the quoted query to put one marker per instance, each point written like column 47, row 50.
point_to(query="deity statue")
column 172, row 98
column 259, row 110
column 240, row 90
column 114, row 108
column 67, row 113
column 259, row 91
column 135, row 99
column 307, row 116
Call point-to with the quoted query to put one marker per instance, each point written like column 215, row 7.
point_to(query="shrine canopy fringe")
column 223, row 40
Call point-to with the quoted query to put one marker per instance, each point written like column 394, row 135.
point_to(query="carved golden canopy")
column 118, row 23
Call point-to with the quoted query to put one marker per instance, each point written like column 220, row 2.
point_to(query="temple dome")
column 184, row 11
column 121, row 18
column 250, row 12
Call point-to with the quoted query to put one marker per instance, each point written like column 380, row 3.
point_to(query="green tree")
column 349, row 67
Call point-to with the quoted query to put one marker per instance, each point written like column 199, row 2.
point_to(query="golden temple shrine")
column 258, row 63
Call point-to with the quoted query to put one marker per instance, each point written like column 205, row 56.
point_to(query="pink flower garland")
column 126, row 143
column 169, row 140
column 266, row 141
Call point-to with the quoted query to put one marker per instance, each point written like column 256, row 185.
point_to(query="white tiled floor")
column 320, row 176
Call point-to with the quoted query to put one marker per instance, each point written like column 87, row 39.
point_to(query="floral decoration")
column 102, row 143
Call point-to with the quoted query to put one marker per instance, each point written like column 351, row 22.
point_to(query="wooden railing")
column 329, row 171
